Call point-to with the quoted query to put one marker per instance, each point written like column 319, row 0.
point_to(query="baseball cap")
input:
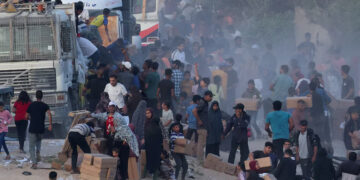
column 112, row 103
column 126, row 64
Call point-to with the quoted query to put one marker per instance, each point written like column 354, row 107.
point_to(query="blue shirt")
column 282, row 83
column 279, row 122
column 192, row 120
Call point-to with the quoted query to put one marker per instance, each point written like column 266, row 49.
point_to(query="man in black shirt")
column 166, row 89
column 239, row 121
column 347, row 89
column 96, row 87
column 349, row 167
column 201, row 115
column 261, row 154
column 36, row 113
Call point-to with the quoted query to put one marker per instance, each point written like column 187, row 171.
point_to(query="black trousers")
column 152, row 103
column 181, row 162
column 123, row 152
column 21, row 127
column 190, row 133
column 213, row 149
column 76, row 139
column 278, row 147
column 244, row 150
column 306, row 166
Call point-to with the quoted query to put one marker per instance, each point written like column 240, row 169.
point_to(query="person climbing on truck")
column 97, row 22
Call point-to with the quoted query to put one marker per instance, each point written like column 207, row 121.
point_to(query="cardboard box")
column 99, row 146
column 190, row 149
column 291, row 102
column 229, row 168
column 180, row 142
column 211, row 161
column 56, row 165
column 94, row 171
column 264, row 163
column 220, row 167
column 111, row 172
column 105, row 162
column 250, row 104
column 179, row 149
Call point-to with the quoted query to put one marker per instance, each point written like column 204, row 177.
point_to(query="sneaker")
column 7, row 157
column 34, row 166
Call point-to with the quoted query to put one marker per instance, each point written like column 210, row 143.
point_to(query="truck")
column 121, row 23
column 38, row 51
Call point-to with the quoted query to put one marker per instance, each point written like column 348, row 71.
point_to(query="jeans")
column 35, row 146
column 123, row 151
column 306, row 166
column 76, row 139
column 244, row 151
column 3, row 143
column 201, row 144
column 21, row 127
column 213, row 149
column 180, row 163
column 278, row 147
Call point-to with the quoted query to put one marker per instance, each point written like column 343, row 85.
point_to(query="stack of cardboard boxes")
column 98, row 167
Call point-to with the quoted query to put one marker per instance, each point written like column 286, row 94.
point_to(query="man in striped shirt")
column 77, row 135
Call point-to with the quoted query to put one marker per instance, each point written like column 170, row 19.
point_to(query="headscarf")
column 123, row 132
column 139, row 118
column 252, row 165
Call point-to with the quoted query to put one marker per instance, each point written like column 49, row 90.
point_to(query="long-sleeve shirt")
column 83, row 129
column 240, row 127
column 5, row 120
column 173, row 137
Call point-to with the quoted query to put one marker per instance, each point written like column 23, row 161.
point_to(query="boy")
column 166, row 88
column 97, row 22
column 253, row 93
column 52, row 175
column 190, row 118
column 351, row 127
column 176, row 133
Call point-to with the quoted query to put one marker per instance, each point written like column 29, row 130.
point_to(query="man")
column 118, row 50
column 96, row 87
column 99, row 21
column 165, row 91
column 347, row 89
column 281, row 85
column 308, row 46
column 287, row 145
column 89, row 50
column 190, row 118
column 352, row 126
column 349, row 167
column 146, row 70
column 36, row 113
column 201, row 115
column 76, row 137
column 281, row 124
column 261, row 154
column 286, row 169
column 307, row 145
column 233, row 81
column 240, row 121
column 116, row 91
column 125, row 76
column 253, row 93
column 179, row 53
column 151, row 85
column 177, row 77
column 79, row 8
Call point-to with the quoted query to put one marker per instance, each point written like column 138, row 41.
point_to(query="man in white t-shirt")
column 116, row 91
column 84, row 16
column 179, row 54
column 87, row 47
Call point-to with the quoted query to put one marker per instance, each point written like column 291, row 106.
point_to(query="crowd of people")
column 191, row 78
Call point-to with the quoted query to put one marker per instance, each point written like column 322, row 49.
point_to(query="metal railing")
column 27, row 38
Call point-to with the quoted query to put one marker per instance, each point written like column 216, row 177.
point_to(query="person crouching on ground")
column 77, row 137
column 175, row 133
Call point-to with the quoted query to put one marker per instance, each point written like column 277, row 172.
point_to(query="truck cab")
column 38, row 51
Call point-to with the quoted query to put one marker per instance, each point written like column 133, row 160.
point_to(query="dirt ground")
column 50, row 148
